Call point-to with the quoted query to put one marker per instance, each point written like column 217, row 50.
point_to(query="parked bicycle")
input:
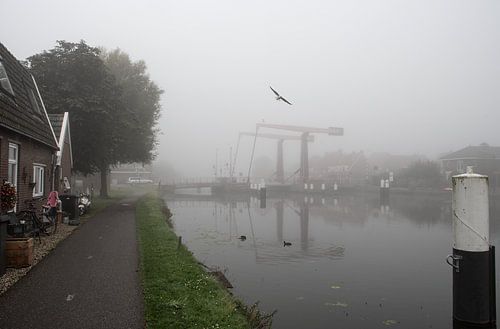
column 38, row 222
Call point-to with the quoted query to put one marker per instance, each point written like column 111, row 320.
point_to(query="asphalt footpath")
column 90, row 280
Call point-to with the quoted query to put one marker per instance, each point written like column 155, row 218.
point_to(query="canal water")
column 352, row 262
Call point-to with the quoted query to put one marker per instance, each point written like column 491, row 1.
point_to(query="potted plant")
column 18, row 252
column 8, row 197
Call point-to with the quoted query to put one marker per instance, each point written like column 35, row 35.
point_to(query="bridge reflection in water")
column 352, row 264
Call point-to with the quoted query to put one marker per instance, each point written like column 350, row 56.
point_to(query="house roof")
column 23, row 111
column 482, row 151
column 56, row 120
column 60, row 125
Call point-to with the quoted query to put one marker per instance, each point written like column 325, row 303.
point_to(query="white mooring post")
column 262, row 195
column 473, row 258
column 384, row 191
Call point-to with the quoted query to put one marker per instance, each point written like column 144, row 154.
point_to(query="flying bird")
column 279, row 97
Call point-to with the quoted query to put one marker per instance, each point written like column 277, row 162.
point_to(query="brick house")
column 64, row 157
column 27, row 141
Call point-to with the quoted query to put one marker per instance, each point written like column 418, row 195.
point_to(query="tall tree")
column 141, row 97
column 73, row 78
column 422, row 173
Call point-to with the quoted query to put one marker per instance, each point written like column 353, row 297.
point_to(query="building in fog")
column 347, row 169
column 121, row 172
column 483, row 158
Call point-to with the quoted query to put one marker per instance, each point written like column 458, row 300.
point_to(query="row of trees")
column 421, row 174
column 114, row 107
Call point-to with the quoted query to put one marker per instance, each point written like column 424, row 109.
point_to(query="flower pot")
column 19, row 252
column 3, row 236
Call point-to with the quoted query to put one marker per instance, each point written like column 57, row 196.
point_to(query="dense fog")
column 405, row 77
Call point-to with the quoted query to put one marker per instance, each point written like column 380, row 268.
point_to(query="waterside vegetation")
column 178, row 293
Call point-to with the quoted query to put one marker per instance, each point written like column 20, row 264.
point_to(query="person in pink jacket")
column 52, row 202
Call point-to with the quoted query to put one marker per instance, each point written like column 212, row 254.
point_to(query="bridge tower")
column 280, row 170
column 305, row 135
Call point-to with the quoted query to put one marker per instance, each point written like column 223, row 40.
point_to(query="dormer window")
column 34, row 103
column 4, row 79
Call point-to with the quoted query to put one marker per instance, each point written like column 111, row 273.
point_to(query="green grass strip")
column 177, row 292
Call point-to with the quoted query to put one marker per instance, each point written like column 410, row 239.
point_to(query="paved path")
column 90, row 280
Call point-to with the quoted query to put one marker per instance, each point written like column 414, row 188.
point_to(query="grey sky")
column 418, row 76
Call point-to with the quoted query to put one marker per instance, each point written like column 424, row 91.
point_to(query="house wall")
column 30, row 152
column 65, row 169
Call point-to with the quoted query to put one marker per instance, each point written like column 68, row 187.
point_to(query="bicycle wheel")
column 27, row 218
column 49, row 224
column 54, row 224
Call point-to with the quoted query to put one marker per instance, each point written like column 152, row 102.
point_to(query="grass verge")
column 177, row 292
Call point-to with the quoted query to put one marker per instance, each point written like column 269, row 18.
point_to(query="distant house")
column 27, row 140
column 483, row 158
column 64, row 156
column 121, row 172
column 382, row 162
column 342, row 168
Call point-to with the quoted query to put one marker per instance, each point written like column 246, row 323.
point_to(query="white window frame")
column 38, row 179
column 4, row 81
column 14, row 163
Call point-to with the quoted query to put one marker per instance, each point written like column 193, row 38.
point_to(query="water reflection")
column 353, row 262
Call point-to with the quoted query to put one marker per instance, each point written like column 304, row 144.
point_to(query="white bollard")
column 305, row 186
column 470, row 205
column 473, row 258
column 311, row 187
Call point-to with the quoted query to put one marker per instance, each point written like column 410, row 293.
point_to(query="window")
column 4, row 79
column 13, row 159
column 34, row 103
column 38, row 179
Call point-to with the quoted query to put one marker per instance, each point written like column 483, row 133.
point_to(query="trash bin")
column 4, row 221
column 69, row 203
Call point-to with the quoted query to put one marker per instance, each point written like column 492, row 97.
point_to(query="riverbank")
column 178, row 293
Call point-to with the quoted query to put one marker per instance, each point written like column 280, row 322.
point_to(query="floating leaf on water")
column 337, row 304
column 389, row 322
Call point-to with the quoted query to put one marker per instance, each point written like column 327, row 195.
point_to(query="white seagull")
column 279, row 97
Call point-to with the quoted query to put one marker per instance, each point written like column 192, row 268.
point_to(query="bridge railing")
column 204, row 180
column 191, row 180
